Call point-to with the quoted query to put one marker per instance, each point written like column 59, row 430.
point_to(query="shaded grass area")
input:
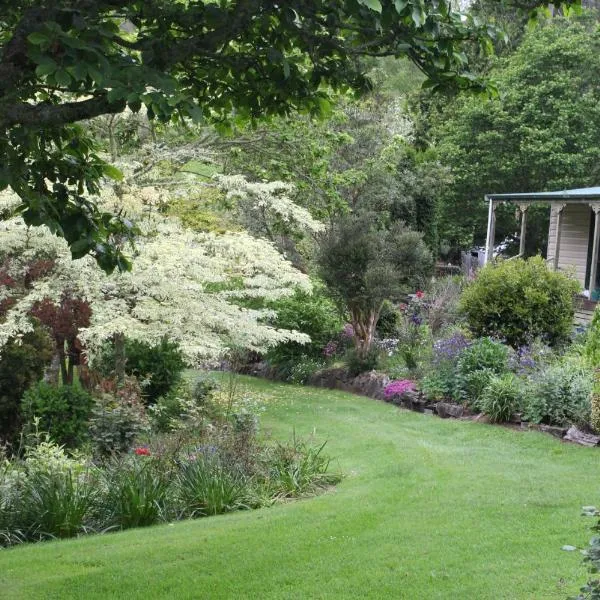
column 429, row 509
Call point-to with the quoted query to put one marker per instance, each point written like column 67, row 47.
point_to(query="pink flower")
column 419, row 294
column 142, row 451
column 398, row 388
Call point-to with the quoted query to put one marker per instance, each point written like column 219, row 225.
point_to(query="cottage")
column 573, row 238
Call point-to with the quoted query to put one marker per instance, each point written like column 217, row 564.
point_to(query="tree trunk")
column 51, row 374
column 62, row 357
column 364, row 330
column 119, row 343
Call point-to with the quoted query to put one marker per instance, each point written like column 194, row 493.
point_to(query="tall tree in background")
column 541, row 133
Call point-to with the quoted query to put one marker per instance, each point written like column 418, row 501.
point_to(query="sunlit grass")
column 428, row 509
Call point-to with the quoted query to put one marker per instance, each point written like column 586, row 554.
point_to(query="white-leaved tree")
column 186, row 285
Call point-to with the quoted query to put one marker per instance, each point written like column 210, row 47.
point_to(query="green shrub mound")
column 158, row 367
column 314, row 314
column 62, row 411
column 22, row 364
column 518, row 300
column 476, row 366
column 559, row 395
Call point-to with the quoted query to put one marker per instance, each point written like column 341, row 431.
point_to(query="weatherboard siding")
column 574, row 235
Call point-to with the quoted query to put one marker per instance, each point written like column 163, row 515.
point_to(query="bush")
column 304, row 369
column 440, row 382
column 483, row 353
column 559, row 395
column 314, row 314
column 183, row 408
column 57, row 504
column 502, row 398
column 296, row 469
column 518, row 300
column 479, row 361
column 441, row 307
column 356, row 363
column 62, row 411
column 136, row 492
column 389, row 321
column 158, row 367
column 118, row 418
column 21, row 365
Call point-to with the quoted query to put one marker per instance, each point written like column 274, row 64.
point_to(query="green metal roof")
column 592, row 193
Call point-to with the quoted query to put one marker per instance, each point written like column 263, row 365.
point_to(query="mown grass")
column 429, row 509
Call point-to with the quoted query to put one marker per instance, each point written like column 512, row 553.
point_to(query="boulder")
column 446, row 410
column 558, row 432
column 579, row 437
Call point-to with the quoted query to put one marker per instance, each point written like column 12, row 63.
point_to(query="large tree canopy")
column 220, row 61
column 541, row 133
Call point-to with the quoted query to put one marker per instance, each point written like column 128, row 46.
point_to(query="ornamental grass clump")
column 502, row 398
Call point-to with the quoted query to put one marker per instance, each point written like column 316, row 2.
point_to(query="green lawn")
column 429, row 509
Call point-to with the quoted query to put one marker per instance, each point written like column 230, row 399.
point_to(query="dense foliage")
column 61, row 411
column 314, row 314
column 540, row 133
column 22, row 364
column 363, row 266
column 224, row 62
column 157, row 366
column 520, row 300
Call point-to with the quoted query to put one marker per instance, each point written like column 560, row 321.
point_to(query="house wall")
column 574, row 236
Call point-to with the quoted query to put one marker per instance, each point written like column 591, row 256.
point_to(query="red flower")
column 142, row 451
column 419, row 294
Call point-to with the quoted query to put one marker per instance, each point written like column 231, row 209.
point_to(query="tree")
column 362, row 157
column 364, row 266
column 223, row 62
column 64, row 320
column 541, row 133
column 189, row 287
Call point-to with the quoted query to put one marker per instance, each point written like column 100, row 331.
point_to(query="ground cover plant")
column 507, row 499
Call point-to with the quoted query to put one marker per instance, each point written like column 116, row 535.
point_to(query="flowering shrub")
column 447, row 350
column 398, row 388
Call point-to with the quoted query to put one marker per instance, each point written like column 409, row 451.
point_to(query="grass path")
column 429, row 509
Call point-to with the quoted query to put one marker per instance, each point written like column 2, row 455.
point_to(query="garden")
column 247, row 348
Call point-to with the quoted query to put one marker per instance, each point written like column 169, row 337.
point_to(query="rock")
column 481, row 418
column 516, row 418
column 370, row 384
column 445, row 410
column 558, row 432
column 579, row 437
column 568, row 548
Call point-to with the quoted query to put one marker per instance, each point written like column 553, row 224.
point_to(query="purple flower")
column 449, row 349
column 348, row 331
column 399, row 387
column 330, row 349
column 416, row 319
